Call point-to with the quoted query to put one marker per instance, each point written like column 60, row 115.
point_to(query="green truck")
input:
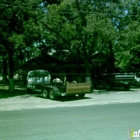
column 40, row 80
column 111, row 80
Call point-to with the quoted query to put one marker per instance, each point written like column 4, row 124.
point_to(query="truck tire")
column 127, row 87
column 108, row 87
column 44, row 93
column 81, row 95
column 52, row 94
column 29, row 91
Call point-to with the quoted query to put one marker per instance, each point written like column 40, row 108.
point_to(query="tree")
column 18, row 32
column 128, row 43
column 76, row 28
column 80, row 28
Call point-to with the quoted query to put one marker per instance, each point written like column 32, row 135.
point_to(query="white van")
column 36, row 79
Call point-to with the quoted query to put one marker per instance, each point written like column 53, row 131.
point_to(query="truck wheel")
column 45, row 93
column 29, row 91
column 81, row 95
column 52, row 95
column 108, row 87
column 127, row 87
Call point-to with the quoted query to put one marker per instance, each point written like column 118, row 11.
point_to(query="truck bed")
column 77, row 88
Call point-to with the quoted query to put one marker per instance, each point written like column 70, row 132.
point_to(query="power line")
column 109, row 3
column 20, row 6
column 102, row 13
column 80, row 11
column 86, row 2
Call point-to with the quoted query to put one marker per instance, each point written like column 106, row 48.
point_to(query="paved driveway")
column 98, row 97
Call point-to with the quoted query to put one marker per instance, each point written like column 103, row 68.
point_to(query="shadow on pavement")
column 21, row 91
column 5, row 93
column 103, row 90
column 65, row 98
column 73, row 98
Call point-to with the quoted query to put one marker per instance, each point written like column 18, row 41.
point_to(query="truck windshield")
column 38, row 73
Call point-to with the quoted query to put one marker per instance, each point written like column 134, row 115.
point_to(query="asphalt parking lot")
column 97, row 97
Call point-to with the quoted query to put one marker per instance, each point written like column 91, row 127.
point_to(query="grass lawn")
column 5, row 93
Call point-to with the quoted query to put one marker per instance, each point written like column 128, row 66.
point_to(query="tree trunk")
column 4, row 78
column 111, row 59
column 11, row 80
column 88, row 74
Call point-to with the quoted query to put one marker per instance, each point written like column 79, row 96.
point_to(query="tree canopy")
column 70, row 29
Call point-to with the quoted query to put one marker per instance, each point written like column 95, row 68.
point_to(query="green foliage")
column 128, row 55
column 17, row 34
column 18, row 30
column 78, row 30
column 72, row 29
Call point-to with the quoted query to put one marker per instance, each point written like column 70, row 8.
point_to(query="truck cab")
column 36, row 79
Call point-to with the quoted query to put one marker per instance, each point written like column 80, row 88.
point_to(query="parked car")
column 111, row 80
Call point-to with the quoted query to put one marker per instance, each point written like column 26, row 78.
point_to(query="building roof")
column 47, row 61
